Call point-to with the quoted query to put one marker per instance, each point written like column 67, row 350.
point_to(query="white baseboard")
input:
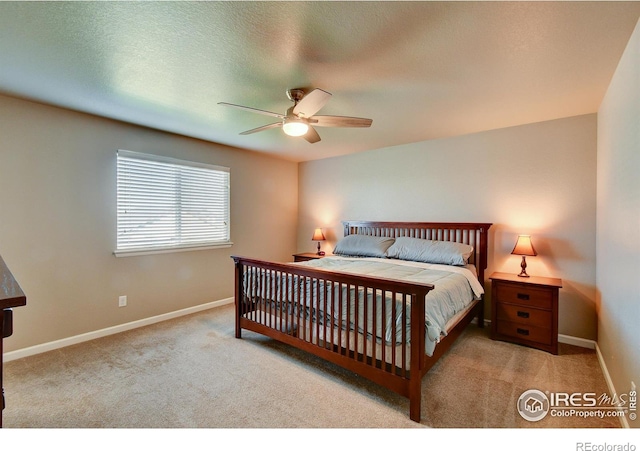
column 38, row 349
column 609, row 381
column 576, row 341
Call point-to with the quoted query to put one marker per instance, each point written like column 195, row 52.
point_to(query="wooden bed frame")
column 277, row 300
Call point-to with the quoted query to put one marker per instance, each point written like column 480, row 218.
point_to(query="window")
column 166, row 204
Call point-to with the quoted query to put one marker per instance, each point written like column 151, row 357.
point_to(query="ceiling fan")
column 300, row 119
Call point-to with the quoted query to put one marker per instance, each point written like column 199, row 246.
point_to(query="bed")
column 387, row 306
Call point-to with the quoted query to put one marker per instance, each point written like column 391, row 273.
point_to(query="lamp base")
column 523, row 265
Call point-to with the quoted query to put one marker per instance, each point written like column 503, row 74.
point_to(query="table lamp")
column 318, row 236
column 523, row 247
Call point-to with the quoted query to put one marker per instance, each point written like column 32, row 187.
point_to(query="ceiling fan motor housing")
column 295, row 94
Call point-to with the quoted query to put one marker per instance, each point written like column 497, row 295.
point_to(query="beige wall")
column 58, row 220
column 618, row 222
column 538, row 179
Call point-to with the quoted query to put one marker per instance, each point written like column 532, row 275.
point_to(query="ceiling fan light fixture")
column 295, row 127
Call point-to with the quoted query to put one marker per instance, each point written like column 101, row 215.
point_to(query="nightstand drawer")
column 524, row 332
column 524, row 315
column 527, row 296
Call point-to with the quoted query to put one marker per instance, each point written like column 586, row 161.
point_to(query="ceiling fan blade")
column 312, row 135
column 311, row 103
column 340, row 121
column 253, row 110
column 264, row 127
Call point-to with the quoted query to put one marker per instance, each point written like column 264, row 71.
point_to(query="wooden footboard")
column 371, row 326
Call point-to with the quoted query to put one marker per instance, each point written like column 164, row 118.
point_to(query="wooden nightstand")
column 306, row 256
column 524, row 310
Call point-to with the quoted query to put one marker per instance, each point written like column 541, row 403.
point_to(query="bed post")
column 484, row 250
column 418, row 331
column 239, row 276
column 484, row 230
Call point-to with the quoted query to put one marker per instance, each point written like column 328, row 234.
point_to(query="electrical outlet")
column 122, row 301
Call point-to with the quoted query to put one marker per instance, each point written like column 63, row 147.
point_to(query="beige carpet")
column 192, row 373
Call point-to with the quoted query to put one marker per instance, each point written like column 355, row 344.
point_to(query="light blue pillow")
column 430, row 251
column 363, row 246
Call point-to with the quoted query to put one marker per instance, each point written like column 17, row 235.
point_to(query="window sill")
column 168, row 250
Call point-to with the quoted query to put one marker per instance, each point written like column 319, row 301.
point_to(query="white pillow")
column 430, row 251
column 363, row 246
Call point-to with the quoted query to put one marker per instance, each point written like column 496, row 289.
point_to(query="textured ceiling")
column 420, row 70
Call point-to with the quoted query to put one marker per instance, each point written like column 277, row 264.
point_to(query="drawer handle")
column 523, row 296
column 522, row 331
column 523, row 314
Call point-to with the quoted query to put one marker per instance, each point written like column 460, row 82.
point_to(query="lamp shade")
column 317, row 235
column 524, row 246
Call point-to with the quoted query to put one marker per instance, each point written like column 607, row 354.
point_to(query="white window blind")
column 166, row 204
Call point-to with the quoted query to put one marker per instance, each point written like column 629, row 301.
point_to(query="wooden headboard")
column 472, row 233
